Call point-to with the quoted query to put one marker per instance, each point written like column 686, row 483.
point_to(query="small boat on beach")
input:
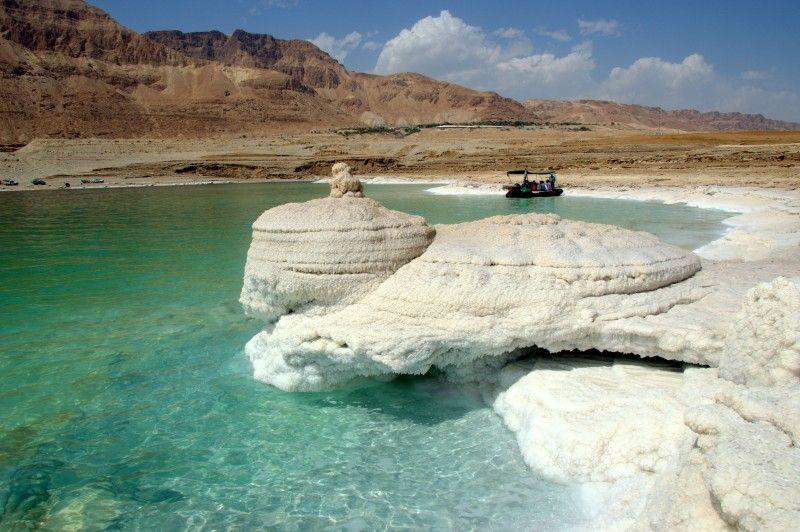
column 532, row 189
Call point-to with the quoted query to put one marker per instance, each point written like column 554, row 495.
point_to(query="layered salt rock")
column 763, row 345
column 614, row 425
column 343, row 183
column 482, row 289
column 326, row 251
column 749, row 443
column 625, row 417
column 747, row 449
column 741, row 471
column 674, row 451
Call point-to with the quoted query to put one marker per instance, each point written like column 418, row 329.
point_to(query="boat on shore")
column 529, row 189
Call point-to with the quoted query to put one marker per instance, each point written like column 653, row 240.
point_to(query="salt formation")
column 654, row 448
column 326, row 251
column 626, row 416
column 343, row 183
column 762, row 355
column 529, row 279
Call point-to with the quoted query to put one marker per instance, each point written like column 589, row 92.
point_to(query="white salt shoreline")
column 649, row 448
column 764, row 221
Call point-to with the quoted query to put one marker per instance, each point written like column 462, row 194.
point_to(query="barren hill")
column 394, row 99
column 639, row 116
column 68, row 69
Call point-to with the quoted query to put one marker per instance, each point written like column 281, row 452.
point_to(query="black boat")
column 528, row 189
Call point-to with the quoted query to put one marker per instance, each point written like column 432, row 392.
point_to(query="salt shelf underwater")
column 532, row 370
column 349, row 289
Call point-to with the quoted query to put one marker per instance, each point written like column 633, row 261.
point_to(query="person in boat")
column 542, row 186
column 552, row 180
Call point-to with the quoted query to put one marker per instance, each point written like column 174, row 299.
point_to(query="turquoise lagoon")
column 126, row 400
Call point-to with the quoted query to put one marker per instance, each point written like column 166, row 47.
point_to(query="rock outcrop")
column 529, row 279
column 326, row 252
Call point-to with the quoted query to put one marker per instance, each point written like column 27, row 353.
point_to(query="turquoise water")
column 126, row 401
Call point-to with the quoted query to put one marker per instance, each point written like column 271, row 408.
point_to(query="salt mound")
column 763, row 345
column 748, row 441
column 343, row 183
column 482, row 289
column 326, row 251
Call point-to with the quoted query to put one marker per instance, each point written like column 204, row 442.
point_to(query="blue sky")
column 725, row 55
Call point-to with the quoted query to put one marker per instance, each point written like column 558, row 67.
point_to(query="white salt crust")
column 353, row 290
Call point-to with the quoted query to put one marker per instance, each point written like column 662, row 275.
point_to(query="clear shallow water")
column 126, row 402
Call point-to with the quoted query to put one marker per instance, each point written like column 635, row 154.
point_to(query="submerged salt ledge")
column 373, row 292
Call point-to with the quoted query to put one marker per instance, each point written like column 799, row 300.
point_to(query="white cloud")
column 693, row 83
column 556, row 35
column 671, row 84
column 446, row 47
column 443, row 46
column 372, row 45
column 508, row 33
column 600, row 26
column 547, row 75
column 337, row 48
column 755, row 75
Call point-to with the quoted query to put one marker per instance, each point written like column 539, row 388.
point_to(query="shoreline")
column 104, row 186
column 762, row 219
column 479, row 184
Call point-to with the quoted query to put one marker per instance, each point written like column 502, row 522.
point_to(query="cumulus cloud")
column 372, row 45
column 661, row 81
column 443, row 46
column 693, row 83
column 446, row 47
column 556, row 35
column 338, row 48
column 547, row 75
column 601, row 27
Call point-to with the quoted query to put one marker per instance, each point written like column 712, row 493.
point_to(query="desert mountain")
column 638, row 116
column 394, row 99
column 68, row 69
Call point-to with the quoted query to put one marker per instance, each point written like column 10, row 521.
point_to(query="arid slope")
column 642, row 117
